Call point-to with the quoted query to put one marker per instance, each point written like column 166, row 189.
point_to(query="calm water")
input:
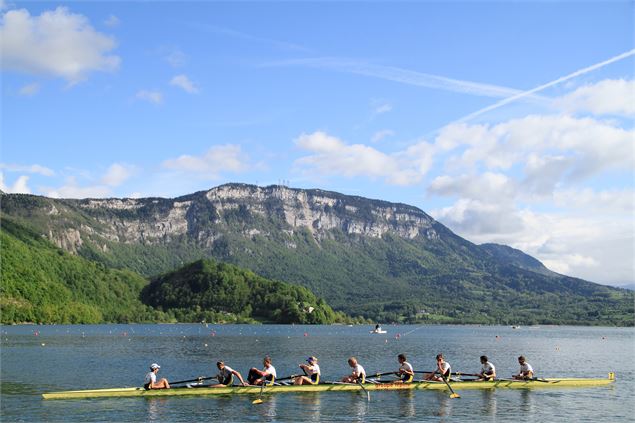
column 36, row 359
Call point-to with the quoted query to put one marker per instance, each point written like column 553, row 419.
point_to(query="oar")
column 262, row 387
column 380, row 375
column 286, row 378
column 533, row 379
column 454, row 373
column 198, row 379
column 453, row 394
column 371, row 378
column 359, row 382
column 259, row 400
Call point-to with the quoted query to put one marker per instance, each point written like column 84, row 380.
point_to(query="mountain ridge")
column 366, row 257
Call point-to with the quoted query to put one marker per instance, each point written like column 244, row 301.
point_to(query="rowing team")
column 312, row 373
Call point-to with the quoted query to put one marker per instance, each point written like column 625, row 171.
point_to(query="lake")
column 37, row 359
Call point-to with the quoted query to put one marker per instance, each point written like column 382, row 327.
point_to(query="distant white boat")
column 378, row 329
column 515, row 327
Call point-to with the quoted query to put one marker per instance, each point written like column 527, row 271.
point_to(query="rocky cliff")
column 157, row 221
column 369, row 257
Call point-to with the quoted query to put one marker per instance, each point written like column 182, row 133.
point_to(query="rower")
column 526, row 371
column 226, row 376
column 311, row 371
column 358, row 375
column 267, row 374
column 443, row 369
column 151, row 379
column 488, row 371
column 405, row 372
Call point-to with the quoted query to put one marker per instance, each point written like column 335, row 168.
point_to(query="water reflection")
column 156, row 408
column 405, row 398
column 358, row 406
column 526, row 403
column 488, row 399
column 445, row 404
column 310, row 404
column 267, row 408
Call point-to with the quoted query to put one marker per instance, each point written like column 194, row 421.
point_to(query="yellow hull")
column 255, row 390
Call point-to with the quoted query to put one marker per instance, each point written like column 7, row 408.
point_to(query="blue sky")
column 508, row 122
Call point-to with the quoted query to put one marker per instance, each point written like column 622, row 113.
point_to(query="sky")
column 509, row 122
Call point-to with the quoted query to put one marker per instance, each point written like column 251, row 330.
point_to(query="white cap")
column 154, row 366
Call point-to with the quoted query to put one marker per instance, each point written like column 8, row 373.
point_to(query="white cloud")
column 218, row 159
column 176, row 58
column 488, row 186
column 583, row 246
column 112, row 21
column 551, row 149
column 331, row 156
column 42, row 170
column 57, row 43
column 19, row 186
column 566, row 262
column 71, row 189
column 522, row 183
column 380, row 107
column 481, row 221
column 380, row 135
column 117, row 174
column 97, row 187
column 29, row 89
column 182, row 81
column 615, row 201
column 610, row 96
column 155, row 97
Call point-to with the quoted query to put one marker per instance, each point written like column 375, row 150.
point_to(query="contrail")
column 404, row 76
column 547, row 85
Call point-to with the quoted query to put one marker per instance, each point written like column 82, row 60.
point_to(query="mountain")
column 204, row 289
column 514, row 257
column 630, row 286
column 372, row 258
column 42, row 283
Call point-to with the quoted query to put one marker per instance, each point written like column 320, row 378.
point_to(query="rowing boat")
column 335, row 386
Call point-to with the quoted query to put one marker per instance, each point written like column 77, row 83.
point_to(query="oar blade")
column 257, row 401
column 454, row 395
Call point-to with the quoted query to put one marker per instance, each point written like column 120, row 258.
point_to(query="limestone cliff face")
column 203, row 216
column 320, row 211
column 138, row 220
column 368, row 257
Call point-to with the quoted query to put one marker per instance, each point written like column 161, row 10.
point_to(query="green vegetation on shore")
column 203, row 289
column 41, row 283
column 44, row 284
column 430, row 275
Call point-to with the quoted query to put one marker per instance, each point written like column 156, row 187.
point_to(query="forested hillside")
column 41, row 283
column 44, row 284
column 368, row 258
column 204, row 289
